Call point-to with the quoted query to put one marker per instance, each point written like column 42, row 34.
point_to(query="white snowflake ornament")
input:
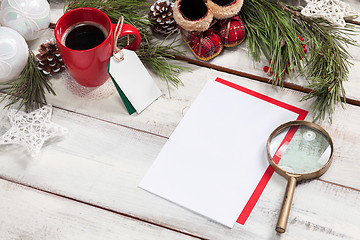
column 332, row 10
column 31, row 130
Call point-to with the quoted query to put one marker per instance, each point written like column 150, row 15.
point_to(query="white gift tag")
column 134, row 82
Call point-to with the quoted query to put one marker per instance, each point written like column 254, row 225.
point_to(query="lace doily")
column 92, row 93
column 332, row 10
column 31, row 130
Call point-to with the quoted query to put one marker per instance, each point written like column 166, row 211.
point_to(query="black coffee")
column 84, row 36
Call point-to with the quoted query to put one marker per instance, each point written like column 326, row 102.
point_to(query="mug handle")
column 128, row 29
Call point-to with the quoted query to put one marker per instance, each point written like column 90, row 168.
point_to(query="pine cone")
column 49, row 59
column 161, row 17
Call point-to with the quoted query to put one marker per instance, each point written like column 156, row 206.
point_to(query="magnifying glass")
column 298, row 150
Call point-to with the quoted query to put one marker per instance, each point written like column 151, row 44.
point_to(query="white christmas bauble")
column 13, row 54
column 29, row 17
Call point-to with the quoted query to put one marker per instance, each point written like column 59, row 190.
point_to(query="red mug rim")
column 79, row 9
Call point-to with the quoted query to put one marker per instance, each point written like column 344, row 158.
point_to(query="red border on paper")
column 269, row 171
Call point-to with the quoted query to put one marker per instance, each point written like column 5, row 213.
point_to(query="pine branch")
column 155, row 54
column 29, row 88
column 132, row 10
column 272, row 30
column 329, row 63
column 158, row 54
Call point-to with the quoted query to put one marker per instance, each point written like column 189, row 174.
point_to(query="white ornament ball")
column 13, row 54
column 29, row 17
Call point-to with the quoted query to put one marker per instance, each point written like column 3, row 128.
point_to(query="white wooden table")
column 84, row 186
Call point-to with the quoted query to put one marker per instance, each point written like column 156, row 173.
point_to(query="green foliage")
column 273, row 32
column 29, row 88
column 272, row 29
column 132, row 10
column 155, row 54
column 158, row 54
column 328, row 65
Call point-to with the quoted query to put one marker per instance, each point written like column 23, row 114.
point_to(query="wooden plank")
column 238, row 58
column 159, row 118
column 30, row 214
column 112, row 109
column 101, row 163
column 163, row 115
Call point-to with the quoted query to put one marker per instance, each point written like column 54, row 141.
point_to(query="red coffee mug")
column 89, row 67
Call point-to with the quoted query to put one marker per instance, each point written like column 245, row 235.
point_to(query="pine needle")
column 132, row 10
column 29, row 88
column 272, row 29
column 154, row 53
column 158, row 54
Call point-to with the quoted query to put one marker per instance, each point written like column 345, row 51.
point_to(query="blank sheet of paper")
column 216, row 157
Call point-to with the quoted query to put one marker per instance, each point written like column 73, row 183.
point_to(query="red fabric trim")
column 187, row 19
column 230, row 4
column 227, row 5
column 269, row 171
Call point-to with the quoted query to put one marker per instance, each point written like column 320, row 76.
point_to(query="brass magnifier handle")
column 285, row 209
column 313, row 142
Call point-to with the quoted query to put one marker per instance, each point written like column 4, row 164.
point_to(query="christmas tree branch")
column 158, row 56
column 288, row 8
column 273, row 29
column 29, row 88
column 134, row 11
column 328, row 66
column 272, row 32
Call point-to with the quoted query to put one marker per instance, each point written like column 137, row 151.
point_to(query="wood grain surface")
column 84, row 185
column 32, row 215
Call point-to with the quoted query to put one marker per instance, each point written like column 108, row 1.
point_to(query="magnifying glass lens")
column 300, row 149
